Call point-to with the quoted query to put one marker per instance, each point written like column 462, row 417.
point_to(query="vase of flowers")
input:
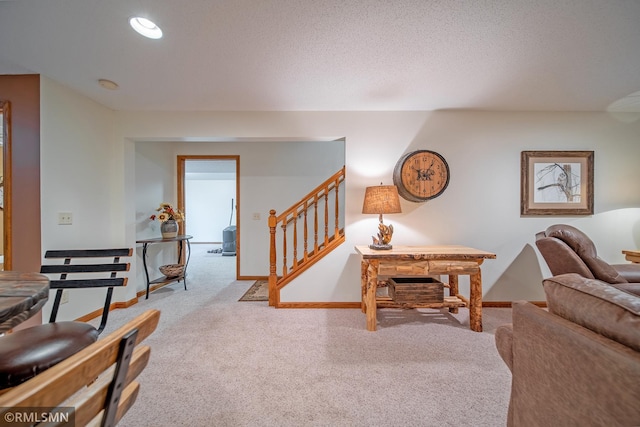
column 169, row 229
column 169, row 218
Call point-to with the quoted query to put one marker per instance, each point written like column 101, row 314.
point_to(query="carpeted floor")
column 219, row 362
column 259, row 291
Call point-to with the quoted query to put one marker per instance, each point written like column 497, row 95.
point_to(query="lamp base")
column 381, row 247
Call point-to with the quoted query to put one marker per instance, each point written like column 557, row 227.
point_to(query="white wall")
column 273, row 175
column 210, row 206
column 94, row 175
column 480, row 208
column 80, row 173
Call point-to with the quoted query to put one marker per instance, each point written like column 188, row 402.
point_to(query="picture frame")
column 556, row 182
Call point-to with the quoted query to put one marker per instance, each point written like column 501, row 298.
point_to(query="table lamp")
column 382, row 199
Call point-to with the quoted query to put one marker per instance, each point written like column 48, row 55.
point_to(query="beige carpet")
column 218, row 362
column 259, row 291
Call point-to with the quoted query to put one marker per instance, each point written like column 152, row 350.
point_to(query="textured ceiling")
column 279, row 55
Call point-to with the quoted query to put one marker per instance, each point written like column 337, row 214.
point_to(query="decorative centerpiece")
column 169, row 218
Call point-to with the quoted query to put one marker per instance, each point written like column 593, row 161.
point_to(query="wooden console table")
column 407, row 261
column 633, row 256
column 164, row 280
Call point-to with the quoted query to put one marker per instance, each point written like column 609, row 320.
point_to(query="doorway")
column 208, row 191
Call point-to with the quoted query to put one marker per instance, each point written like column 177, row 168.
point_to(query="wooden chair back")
column 98, row 382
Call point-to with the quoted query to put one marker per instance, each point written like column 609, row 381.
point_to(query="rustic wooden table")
column 21, row 296
column 407, row 261
column 633, row 256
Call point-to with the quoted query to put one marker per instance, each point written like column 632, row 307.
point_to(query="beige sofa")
column 577, row 363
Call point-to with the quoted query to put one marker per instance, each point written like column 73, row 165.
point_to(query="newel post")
column 272, row 258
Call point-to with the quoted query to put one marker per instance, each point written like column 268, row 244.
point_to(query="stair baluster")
column 301, row 211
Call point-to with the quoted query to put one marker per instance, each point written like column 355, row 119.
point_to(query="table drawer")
column 453, row 267
column 403, row 268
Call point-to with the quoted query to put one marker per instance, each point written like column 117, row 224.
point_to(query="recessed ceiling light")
column 108, row 84
column 145, row 27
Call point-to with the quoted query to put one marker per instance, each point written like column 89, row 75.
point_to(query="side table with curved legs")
column 180, row 239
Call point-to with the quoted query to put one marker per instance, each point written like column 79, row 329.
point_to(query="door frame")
column 181, row 159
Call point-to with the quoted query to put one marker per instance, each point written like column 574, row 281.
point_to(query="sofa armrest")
column 630, row 271
column 559, row 366
column 504, row 344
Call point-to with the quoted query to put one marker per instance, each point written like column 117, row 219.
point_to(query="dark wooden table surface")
column 21, row 296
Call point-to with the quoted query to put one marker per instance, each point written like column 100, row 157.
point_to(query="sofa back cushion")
column 584, row 247
column 560, row 257
column 597, row 306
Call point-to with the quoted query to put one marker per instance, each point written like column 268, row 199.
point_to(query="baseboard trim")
column 487, row 304
column 112, row 306
column 318, row 305
column 152, row 288
column 508, row 304
column 298, row 305
column 123, row 304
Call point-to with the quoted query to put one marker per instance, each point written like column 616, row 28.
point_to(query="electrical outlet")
column 65, row 297
column 65, row 218
column 256, row 216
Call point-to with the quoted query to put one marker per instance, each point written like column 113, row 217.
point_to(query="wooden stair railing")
column 314, row 208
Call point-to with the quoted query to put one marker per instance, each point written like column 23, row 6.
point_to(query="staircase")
column 305, row 233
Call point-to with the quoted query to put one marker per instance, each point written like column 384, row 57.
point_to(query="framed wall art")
column 556, row 183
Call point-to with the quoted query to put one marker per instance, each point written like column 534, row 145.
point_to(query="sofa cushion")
column 596, row 305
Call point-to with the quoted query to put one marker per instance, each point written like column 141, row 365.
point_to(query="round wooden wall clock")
column 421, row 175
